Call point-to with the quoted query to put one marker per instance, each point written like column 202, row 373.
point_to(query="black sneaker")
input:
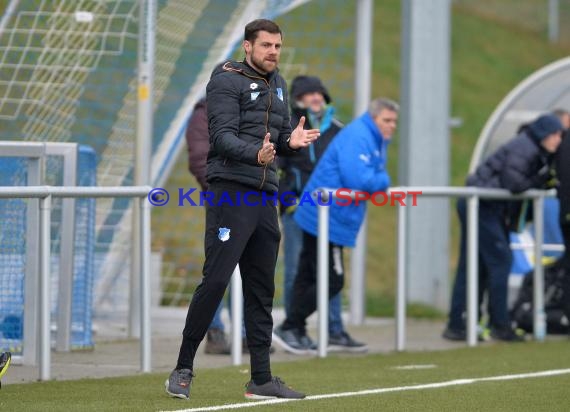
column 216, row 343
column 454, row 334
column 178, row 383
column 273, row 389
column 506, row 334
column 294, row 341
column 343, row 342
column 461, row 335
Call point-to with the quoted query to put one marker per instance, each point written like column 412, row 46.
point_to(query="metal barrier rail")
column 473, row 195
column 45, row 194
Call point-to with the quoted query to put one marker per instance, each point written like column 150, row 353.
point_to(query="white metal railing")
column 45, row 195
column 473, row 195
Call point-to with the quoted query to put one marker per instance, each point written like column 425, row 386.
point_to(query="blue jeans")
column 495, row 259
column 292, row 244
column 217, row 321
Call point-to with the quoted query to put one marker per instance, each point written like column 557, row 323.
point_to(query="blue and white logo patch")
column 254, row 96
column 223, row 234
column 280, row 93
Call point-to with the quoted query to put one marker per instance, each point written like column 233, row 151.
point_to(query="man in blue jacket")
column 354, row 160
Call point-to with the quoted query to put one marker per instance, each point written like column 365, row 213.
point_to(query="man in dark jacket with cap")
column 309, row 99
column 522, row 163
column 249, row 123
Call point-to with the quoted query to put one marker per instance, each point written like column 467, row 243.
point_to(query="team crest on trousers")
column 223, row 234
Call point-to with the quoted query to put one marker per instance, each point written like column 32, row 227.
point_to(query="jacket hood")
column 241, row 67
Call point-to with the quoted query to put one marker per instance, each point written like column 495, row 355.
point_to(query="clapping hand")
column 267, row 152
column 301, row 137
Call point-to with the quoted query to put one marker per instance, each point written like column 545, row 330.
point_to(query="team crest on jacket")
column 254, row 96
column 280, row 93
column 223, row 234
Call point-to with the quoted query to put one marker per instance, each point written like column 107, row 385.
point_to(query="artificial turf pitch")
column 334, row 375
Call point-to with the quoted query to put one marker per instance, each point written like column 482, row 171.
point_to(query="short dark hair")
column 255, row 26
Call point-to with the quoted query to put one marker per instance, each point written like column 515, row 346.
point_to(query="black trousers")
column 304, row 301
column 253, row 242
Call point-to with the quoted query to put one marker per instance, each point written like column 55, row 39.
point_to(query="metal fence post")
column 472, row 268
column 44, row 285
column 539, row 321
column 401, row 281
column 323, row 277
column 144, row 253
column 553, row 20
column 237, row 315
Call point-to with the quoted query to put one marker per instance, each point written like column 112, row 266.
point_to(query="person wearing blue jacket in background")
column 522, row 163
column 355, row 160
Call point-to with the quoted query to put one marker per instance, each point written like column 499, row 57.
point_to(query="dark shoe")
column 461, row 335
column 293, row 341
column 454, row 334
column 178, row 383
column 506, row 334
column 216, row 343
column 343, row 342
column 273, row 389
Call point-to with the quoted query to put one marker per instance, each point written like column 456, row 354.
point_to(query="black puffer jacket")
column 518, row 165
column 243, row 106
column 563, row 174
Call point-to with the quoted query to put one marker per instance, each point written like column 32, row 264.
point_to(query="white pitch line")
column 455, row 382
column 413, row 367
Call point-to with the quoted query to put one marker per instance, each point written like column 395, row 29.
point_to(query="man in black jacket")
column 522, row 163
column 198, row 145
column 249, row 124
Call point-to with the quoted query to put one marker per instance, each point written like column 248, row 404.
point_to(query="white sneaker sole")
column 254, row 397
column 347, row 349
column 175, row 395
column 290, row 348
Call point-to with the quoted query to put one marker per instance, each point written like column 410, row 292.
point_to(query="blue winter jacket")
column 355, row 159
